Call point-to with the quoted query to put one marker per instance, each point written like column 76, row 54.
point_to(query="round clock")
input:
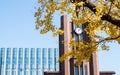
column 78, row 31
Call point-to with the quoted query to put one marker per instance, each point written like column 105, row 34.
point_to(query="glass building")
column 28, row 61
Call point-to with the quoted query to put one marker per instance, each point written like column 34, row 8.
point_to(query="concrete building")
column 28, row 61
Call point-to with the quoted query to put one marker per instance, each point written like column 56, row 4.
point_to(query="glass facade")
column 28, row 61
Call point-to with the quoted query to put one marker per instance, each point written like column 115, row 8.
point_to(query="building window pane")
column 14, row 52
column 8, row 60
column 56, row 56
column 26, row 66
column 39, row 73
column 26, row 52
column 81, row 70
column 39, row 66
column 13, row 72
column 26, row 72
column 7, row 72
column 20, row 72
column 8, row 66
column 85, row 70
column 32, row 61
column 76, row 70
column 38, row 61
column 14, row 61
column 2, row 73
column 26, row 60
column 3, row 53
column 32, row 72
column 13, row 66
column 38, row 56
column 2, row 66
column 8, row 52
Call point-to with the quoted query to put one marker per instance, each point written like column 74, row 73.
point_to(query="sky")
column 17, row 29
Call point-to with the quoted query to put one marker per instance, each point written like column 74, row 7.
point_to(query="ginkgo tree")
column 100, row 16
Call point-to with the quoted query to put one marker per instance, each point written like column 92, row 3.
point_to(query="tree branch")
column 107, row 39
column 106, row 17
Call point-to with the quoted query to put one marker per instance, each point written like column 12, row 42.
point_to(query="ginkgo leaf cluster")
column 80, row 12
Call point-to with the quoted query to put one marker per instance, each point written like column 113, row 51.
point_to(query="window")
column 32, row 66
column 3, row 52
column 39, row 66
column 39, row 73
column 44, row 61
column 26, row 72
column 50, row 56
column 14, row 73
column 2, row 73
column 51, row 67
column 76, row 70
column 81, row 70
column 32, row 60
column 2, row 66
column 13, row 66
column 8, row 52
column 26, row 60
column 38, row 61
column 14, row 61
column 26, row 66
column 20, row 60
column 20, row 72
column 8, row 56
column 44, row 53
column 56, row 56
column 2, row 61
column 32, row 72
column 8, row 60
column 20, row 52
column 7, row 72
column 8, row 67
column 26, row 52
column 38, row 52
column 85, row 70
column 32, row 52
column 55, row 52
column 14, row 52
column 50, row 63
column 20, row 65
column 50, row 60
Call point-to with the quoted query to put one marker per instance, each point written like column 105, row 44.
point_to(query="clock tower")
column 67, row 67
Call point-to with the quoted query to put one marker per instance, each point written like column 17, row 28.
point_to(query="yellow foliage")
column 44, row 22
column 60, row 31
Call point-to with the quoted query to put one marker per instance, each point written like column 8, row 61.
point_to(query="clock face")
column 78, row 31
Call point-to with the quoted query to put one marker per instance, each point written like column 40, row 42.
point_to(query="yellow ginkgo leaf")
column 60, row 31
